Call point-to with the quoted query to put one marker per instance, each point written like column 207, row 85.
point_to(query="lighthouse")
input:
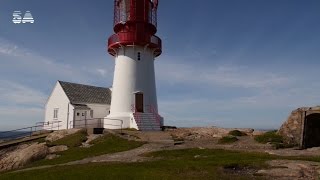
column 134, row 46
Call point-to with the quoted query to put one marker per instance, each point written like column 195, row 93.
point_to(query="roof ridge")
column 83, row 84
column 82, row 93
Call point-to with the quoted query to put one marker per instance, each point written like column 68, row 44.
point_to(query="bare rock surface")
column 291, row 169
column 22, row 155
column 61, row 134
column 56, row 149
column 205, row 132
column 90, row 138
column 52, row 156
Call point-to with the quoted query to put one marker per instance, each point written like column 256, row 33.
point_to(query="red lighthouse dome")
column 135, row 23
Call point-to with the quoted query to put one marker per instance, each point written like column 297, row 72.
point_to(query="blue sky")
column 232, row 63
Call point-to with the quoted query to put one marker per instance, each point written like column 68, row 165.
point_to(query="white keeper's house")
column 85, row 106
column 77, row 105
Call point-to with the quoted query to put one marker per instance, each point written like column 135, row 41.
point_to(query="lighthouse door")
column 139, row 102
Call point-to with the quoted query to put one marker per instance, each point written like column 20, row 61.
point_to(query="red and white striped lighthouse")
column 134, row 46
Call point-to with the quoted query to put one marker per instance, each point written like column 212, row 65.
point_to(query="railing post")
column 121, row 126
column 58, row 125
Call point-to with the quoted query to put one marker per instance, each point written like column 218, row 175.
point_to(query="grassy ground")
column 273, row 138
column 176, row 164
column 169, row 164
column 104, row 145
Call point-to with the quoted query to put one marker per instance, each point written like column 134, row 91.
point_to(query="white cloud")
column 221, row 75
column 14, row 93
column 15, row 117
column 27, row 61
column 7, row 48
column 102, row 72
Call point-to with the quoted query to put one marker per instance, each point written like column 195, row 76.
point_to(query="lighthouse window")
column 139, row 56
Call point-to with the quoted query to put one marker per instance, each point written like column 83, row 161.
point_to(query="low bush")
column 237, row 133
column 269, row 137
column 227, row 139
column 273, row 138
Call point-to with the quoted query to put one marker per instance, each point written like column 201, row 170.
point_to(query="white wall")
column 99, row 112
column 58, row 99
column 130, row 76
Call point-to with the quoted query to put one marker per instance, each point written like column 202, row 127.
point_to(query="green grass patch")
column 237, row 133
column 104, row 145
column 269, row 137
column 273, row 138
column 73, row 140
column 173, row 164
column 227, row 139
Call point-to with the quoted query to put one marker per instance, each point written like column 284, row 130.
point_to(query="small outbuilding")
column 73, row 105
column 302, row 127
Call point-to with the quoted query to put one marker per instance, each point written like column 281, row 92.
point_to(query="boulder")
column 56, row 149
column 22, row 155
column 61, row 134
column 52, row 156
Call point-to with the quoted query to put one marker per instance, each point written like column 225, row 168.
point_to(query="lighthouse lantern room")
column 134, row 46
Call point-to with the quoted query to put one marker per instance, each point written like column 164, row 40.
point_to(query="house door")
column 312, row 131
column 80, row 118
column 139, row 102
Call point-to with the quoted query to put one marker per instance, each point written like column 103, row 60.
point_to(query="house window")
column 55, row 113
column 91, row 113
column 78, row 114
column 139, row 56
column 82, row 114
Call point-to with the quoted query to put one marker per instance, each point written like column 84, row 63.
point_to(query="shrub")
column 273, row 138
column 269, row 137
column 227, row 139
column 237, row 133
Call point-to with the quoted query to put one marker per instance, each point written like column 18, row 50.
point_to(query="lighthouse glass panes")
column 124, row 6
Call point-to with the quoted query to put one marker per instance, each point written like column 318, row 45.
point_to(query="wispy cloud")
column 8, row 48
column 18, row 94
column 221, row 75
column 259, row 92
column 32, row 63
column 13, row 117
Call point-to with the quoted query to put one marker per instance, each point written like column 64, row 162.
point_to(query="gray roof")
column 85, row 94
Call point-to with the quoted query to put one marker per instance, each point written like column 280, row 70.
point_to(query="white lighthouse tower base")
column 134, row 99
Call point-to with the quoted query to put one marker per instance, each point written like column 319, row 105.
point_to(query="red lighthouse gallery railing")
column 135, row 23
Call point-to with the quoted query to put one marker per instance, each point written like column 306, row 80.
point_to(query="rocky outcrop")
column 90, row 138
column 22, row 155
column 52, row 156
column 56, row 149
column 205, row 132
column 290, row 169
column 61, row 134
